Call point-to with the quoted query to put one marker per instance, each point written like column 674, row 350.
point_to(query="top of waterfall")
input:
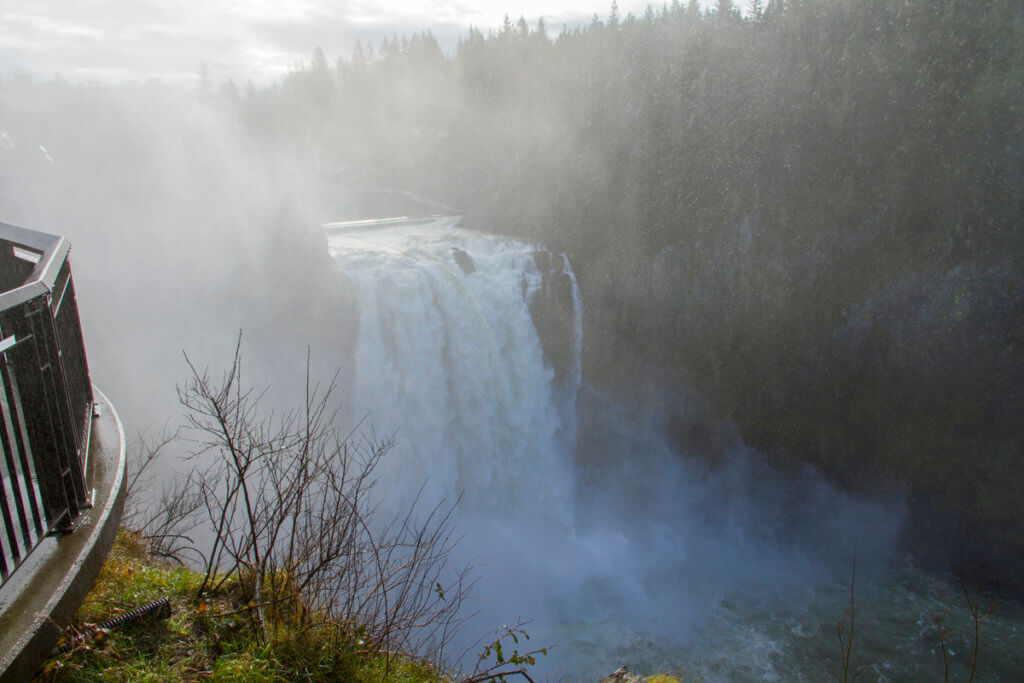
column 372, row 223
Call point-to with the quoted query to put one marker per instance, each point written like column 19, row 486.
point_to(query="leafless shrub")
column 943, row 631
column 845, row 631
column 287, row 501
column 977, row 618
column 846, row 624
column 165, row 520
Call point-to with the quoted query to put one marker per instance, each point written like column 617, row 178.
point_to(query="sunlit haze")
column 114, row 41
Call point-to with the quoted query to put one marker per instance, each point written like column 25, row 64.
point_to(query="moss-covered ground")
column 208, row 639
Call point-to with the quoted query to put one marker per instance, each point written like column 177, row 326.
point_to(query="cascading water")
column 581, row 516
column 448, row 357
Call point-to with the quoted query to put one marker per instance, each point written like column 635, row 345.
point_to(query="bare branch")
column 288, row 501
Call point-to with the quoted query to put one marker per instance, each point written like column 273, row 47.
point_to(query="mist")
column 172, row 214
column 739, row 316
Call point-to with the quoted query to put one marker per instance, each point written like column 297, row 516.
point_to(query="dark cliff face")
column 931, row 382
column 914, row 383
column 553, row 311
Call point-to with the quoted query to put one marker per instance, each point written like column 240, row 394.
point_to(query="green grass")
column 208, row 640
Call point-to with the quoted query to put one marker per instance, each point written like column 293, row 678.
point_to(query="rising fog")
column 777, row 223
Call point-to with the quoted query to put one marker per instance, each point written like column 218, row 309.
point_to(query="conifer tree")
column 319, row 64
column 358, row 56
column 725, row 10
column 205, row 88
column 522, row 29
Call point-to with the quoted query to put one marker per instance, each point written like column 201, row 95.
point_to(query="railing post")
column 47, row 397
column 38, row 381
column 74, row 364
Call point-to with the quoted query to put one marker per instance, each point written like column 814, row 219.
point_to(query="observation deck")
column 62, row 453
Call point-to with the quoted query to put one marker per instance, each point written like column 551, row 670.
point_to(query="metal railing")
column 45, row 395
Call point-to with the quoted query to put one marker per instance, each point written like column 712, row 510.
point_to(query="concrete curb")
column 64, row 569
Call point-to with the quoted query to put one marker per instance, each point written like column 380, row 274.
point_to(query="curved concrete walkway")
column 42, row 596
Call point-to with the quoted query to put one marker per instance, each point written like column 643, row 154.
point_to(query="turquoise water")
column 791, row 635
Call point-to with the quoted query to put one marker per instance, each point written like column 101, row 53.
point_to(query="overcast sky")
column 112, row 41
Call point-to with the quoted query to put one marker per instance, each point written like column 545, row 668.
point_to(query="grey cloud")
column 337, row 35
column 119, row 40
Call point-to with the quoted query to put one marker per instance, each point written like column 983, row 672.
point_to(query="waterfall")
column 448, row 357
column 467, row 346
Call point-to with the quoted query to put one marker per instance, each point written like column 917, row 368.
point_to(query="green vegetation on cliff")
column 212, row 638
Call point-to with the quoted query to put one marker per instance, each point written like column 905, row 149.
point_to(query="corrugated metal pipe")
column 158, row 609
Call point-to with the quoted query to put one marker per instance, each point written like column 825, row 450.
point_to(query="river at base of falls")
column 580, row 517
